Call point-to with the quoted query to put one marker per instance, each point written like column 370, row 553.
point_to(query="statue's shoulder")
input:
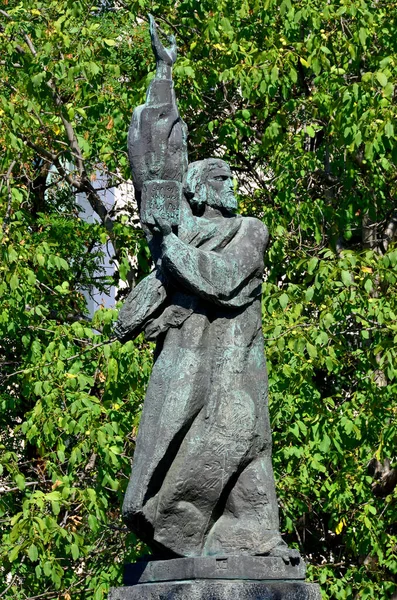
column 255, row 228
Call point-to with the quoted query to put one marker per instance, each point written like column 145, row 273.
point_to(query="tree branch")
column 83, row 184
column 74, row 145
column 8, row 211
column 25, row 35
column 30, row 44
column 27, row 484
column 390, row 231
column 69, row 358
column 386, row 484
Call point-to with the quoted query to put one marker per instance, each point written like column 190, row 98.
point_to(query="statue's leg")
column 216, row 461
column 250, row 521
column 197, row 485
column 175, row 395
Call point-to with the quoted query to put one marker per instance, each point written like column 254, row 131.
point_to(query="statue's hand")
column 166, row 55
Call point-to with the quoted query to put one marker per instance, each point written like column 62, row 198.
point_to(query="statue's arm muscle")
column 212, row 275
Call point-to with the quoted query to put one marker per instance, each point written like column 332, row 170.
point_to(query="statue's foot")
column 289, row 555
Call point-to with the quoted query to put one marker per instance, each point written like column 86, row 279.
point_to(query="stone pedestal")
column 219, row 590
column 217, row 578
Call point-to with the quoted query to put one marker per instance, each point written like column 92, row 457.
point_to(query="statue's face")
column 220, row 190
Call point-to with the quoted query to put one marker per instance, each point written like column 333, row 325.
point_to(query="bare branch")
column 9, row 586
column 27, row 484
column 30, row 44
column 15, row 65
column 267, row 339
column 83, row 184
column 49, row 156
column 74, row 145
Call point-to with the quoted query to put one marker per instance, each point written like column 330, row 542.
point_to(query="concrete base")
column 218, row 590
column 253, row 568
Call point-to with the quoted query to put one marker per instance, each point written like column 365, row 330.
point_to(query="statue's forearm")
column 142, row 303
column 209, row 275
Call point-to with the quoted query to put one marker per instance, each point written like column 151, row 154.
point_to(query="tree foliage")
column 300, row 98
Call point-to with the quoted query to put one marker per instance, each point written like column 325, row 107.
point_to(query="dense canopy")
column 299, row 97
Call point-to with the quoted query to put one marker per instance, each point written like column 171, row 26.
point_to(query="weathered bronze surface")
column 202, row 480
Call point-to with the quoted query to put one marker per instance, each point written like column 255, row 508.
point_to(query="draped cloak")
column 202, row 480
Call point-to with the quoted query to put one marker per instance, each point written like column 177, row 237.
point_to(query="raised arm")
column 165, row 57
column 157, row 137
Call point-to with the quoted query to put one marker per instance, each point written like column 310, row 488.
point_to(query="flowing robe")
column 202, row 480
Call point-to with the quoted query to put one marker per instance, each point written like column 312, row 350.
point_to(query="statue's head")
column 210, row 182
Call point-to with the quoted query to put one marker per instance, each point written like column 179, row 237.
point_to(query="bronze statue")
column 202, row 481
column 201, row 492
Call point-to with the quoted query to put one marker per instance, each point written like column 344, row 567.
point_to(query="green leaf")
column 346, row 278
column 388, row 90
column 112, row 369
column 311, row 350
column 93, row 522
column 358, row 139
column 94, row 69
column 325, row 444
column 283, row 299
column 312, row 264
column 310, row 131
column 20, row 481
column 309, row 294
column 363, row 34
column 38, row 79
column 389, row 129
column 33, row 553
column 14, row 281
column 381, row 77
column 13, row 555
column 316, row 66
column 75, row 551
